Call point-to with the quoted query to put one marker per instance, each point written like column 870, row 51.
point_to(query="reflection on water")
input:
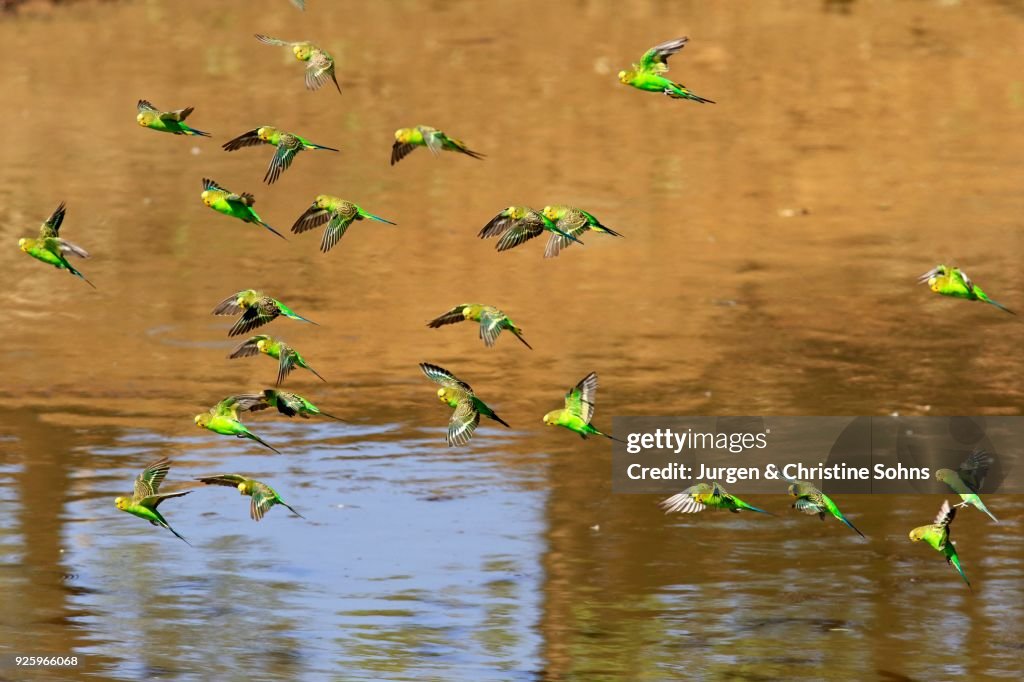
column 771, row 245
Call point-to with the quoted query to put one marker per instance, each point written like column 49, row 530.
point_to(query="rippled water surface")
column 768, row 266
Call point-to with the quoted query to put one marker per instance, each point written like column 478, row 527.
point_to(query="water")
column 771, row 246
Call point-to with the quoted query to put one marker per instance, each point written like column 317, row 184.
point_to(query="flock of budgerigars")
column 514, row 225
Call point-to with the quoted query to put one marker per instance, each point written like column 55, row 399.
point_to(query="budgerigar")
column 320, row 63
column 231, row 204
column 458, row 395
column 147, row 496
column 968, row 479
column 263, row 496
column 519, row 224
column 579, row 409
column 574, row 222
column 257, row 310
column 337, row 213
column 954, row 282
column 648, row 74
column 50, row 248
column 166, row 121
column 706, row 495
column 288, row 146
column 288, row 404
column 222, row 418
column 936, row 534
column 491, row 320
column 810, row 500
column 407, row 139
column 288, row 358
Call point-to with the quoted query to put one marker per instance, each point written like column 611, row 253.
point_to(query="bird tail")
column 567, row 236
column 749, row 507
column 76, row 273
column 321, row 146
column 955, row 561
column 168, row 527
column 292, row 509
column 469, row 152
column 850, row 526
column 375, row 217
column 271, row 229
column 316, row 373
column 329, row 416
column 981, row 505
column 517, row 333
column 193, row 131
column 682, row 93
column 999, row 305
column 608, row 230
column 294, row 316
column 617, row 440
column 253, row 436
column 493, row 415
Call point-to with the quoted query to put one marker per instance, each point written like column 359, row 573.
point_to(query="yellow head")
column 265, row 133
column 24, row 244
column 145, row 118
column 243, row 488
column 551, row 418
column 121, row 502
column 302, row 51
column 202, row 420
column 443, row 394
column 792, row 489
column 322, row 201
column 263, row 346
column 207, row 196
column 946, row 475
column 624, row 77
column 917, row 533
column 551, row 213
column 403, row 134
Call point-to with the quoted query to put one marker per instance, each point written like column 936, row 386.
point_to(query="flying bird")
column 51, row 249
column 648, row 74
column 222, row 418
column 518, row 224
column 936, row 534
column 810, row 500
column 288, row 404
column 288, row 146
column 573, row 222
column 968, row 479
column 706, row 496
column 288, row 358
column 231, row 204
column 579, row 409
column 458, row 395
column 954, row 282
column 263, row 496
column 491, row 320
column 257, row 310
column 407, row 139
column 337, row 213
column 166, row 121
column 320, row 63
column 147, row 496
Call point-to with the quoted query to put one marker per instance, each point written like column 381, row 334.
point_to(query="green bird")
column 574, row 222
column 407, row 139
column 288, row 404
column 166, row 121
column 491, row 320
column 937, row 535
column 231, row 204
column 648, row 74
column 579, row 409
column 51, row 249
column 519, row 224
column 222, row 418
column 706, row 495
column 263, row 496
column 288, row 146
column 967, row 481
column 337, row 213
column 146, row 497
column 458, row 395
column 288, row 358
column 954, row 282
column 50, row 229
column 320, row 63
column 810, row 500
column 257, row 310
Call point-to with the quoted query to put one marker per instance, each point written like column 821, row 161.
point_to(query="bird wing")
column 229, row 480
column 51, row 228
column 451, row 317
column 433, row 138
column 400, row 150
column 153, row 501
column 251, row 402
column 176, row 115
column 945, row 515
column 263, row 498
column 490, row 325
column 335, row 231
column 313, row 217
column 73, row 249
column 974, row 469
column 246, row 139
column 212, row 184
column 579, row 401
column 267, row 40
column 230, row 406
column 439, row 375
column 285, row 363
column 964, row 279
column 497, row 225
column 655, row 60
column 230, row 305
column 148, row 482
column 144, row 105
column 287, row 148
column 573, row 224
column 248, row 347
column 253, row 317
column 685, row 502
column 321, row 68
column 807, row 506
column 463, row 423
column 289, row 404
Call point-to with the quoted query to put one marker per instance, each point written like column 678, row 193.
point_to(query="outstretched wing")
column 320, row 70
column 229, row 306
column 253, row 317
column 144, row 105
column 579, row 401
column 251, row 402
column 67, row 247
column 974, row 469
column 490, row 326
column 463, row 423
column 148, row 482
column 212, row 184
column 807, row 506
column 451, row 317
column 287, row 148
column 945, row 515
column 178, row 115
column 229, row 480
column 685, row 502
column 248, row 348
column 335, row 231
column 313, row 217
column 519, row 231
column 51, row 228
column 263, row 498
column 267, row 40
column 246, row 139
column 655, row 60
column 400, row 150
column 433, row 138
column 439, row 375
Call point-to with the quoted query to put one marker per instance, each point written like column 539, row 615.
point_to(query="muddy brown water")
column 772, row 241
